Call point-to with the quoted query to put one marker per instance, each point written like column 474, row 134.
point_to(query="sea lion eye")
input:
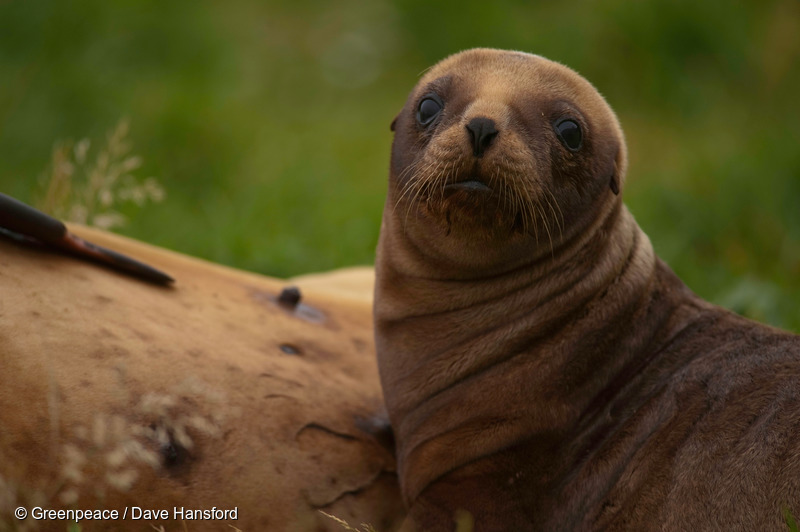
column 569, row 133
column 429, row 109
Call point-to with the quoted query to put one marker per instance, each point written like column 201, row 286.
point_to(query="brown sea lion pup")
column 542, row 368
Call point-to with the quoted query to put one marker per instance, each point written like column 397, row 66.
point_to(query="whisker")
column 549, row 235
column 560, row 224
column 407, row 185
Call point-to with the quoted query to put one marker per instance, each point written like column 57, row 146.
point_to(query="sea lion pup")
column 542, row 368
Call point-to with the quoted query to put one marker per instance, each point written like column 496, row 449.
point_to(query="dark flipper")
column 29, row 223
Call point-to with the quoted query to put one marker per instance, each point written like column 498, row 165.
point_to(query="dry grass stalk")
column 90, row 192
column 345, row 525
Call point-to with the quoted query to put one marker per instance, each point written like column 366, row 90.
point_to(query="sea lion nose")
column 482, row 132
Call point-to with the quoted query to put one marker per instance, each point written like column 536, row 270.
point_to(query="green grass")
column 268, row 123
column 791, row 522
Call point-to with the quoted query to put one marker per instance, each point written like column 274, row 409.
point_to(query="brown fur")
column 554, row 374
column 115, row 393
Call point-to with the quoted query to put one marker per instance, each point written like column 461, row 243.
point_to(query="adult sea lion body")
column 542, row 368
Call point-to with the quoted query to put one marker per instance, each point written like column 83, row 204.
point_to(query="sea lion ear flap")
column 614, row 183
column 394, row 123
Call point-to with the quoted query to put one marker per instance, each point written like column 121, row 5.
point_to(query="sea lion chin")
column 542, row 368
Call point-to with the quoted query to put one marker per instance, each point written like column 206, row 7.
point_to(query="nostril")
column 482, row 132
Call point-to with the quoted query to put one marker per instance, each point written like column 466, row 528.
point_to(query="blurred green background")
column 267, row 123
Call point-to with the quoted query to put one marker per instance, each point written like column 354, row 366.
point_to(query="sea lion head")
column 502, row 156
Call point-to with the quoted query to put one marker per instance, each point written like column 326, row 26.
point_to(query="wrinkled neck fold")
column 455, row 352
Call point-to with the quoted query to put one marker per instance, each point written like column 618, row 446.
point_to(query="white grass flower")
column 122, row 480
column 109, row 220
column 78, row 214
column 202, row 424
column 154, row 190
column 182, row 437
column 88, row 192
column 69, row 496
column 130, row 164
column 81, row 149
column 99, row 431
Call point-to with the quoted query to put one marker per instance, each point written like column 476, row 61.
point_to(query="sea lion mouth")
column 470, row 185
